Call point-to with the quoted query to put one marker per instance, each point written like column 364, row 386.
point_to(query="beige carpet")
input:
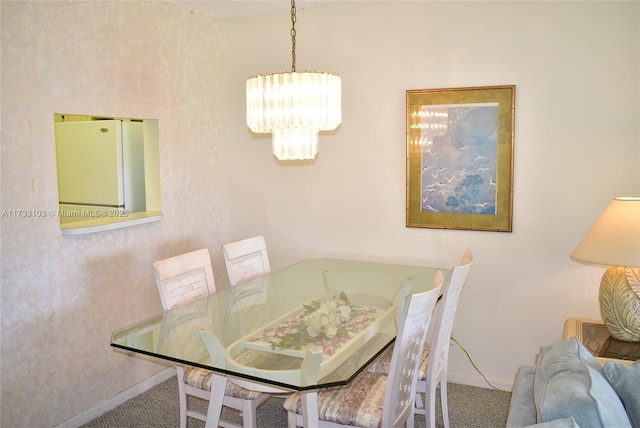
column 469, row 407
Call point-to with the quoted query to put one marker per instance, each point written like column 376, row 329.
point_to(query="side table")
column 596, row 338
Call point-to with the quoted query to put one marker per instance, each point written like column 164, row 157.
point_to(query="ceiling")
column 230, row 9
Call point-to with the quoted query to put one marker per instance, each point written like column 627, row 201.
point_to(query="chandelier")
column 294, row 106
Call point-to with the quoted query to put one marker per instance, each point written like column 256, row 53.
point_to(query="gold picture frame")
column 460, row 158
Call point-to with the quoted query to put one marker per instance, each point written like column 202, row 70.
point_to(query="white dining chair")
column 435, row 355
column 434, row 370
column 375, row 400
column 246, row 259
column 180, row 280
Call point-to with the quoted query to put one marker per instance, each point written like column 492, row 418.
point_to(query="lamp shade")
column 614, row 240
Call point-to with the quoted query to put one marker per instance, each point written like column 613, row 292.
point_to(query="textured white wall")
column 576, row 70
column 577, row 145
column 62, row 296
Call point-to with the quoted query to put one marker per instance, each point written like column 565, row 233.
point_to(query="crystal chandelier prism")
column 294, row 107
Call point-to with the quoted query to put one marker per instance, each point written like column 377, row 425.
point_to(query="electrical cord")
column 476, row 367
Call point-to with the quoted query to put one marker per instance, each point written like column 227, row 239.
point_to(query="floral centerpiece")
column 324, row 323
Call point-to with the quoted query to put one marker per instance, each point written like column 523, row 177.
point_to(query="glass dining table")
column 312, row 325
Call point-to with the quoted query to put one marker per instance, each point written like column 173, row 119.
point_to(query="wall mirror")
column 108, row 172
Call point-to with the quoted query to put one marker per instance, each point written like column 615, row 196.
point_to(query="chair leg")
column 430, row 408
column 419, row 402
column 292, row 420
column 249, row 410
column 214, row 410
column 421, row 398
column 443, row 401
column 411, row 419
column 182, row 395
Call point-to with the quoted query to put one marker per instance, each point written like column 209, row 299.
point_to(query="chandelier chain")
column 293, row 35
column 288, row 105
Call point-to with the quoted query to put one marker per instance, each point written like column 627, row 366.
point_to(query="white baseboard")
column 99, row 409
column 477, row 380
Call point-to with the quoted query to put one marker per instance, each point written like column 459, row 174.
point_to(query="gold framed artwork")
column 460, row 158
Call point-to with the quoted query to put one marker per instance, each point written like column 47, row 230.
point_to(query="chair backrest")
column 412, row 331
column 184, row 278
column 443, row 324
column 246, row 259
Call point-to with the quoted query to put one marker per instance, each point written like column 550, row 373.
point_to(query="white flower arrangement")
column 328, row 319
column 323, row 323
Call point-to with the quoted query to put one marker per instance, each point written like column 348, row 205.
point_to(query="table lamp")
column 614, row 241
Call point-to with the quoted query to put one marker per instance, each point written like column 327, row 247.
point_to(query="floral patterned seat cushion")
column 383, row 362
column 359, row 403
column 201, row 379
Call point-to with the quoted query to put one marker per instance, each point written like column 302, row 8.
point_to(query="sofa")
column 568, row 387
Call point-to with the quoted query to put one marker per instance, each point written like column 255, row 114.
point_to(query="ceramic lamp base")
column 620, row 302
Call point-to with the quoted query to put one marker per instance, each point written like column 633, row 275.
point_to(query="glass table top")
column 314, row 324
column 598, row 340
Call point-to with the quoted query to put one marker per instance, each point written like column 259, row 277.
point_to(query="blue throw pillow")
column 625, row 379
column 569, row 381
